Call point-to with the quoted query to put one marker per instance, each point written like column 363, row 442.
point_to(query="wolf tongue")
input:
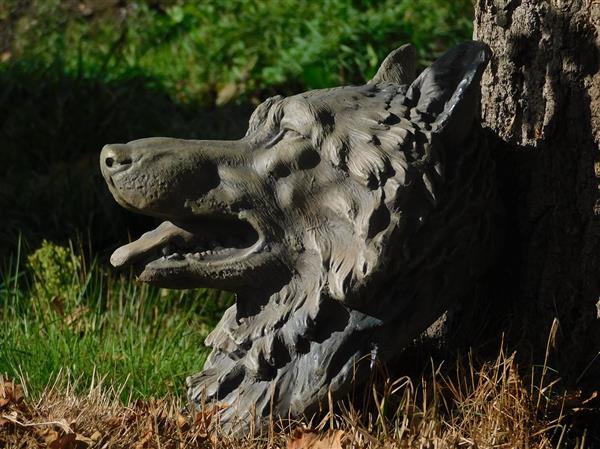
column 166, row 233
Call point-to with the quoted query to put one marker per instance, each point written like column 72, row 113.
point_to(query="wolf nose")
column 115, row 157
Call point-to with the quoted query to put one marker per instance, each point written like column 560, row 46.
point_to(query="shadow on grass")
column 52, row 127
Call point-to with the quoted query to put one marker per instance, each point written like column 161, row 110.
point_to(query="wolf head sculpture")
column 346, row 219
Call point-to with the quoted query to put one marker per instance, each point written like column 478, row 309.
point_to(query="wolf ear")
column 398, row 67
column 448, row 90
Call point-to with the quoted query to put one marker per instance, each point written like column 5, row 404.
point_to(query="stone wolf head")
column 346, row 220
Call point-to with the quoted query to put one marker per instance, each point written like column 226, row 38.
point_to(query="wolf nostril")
column 115, row 162
column 116, row 157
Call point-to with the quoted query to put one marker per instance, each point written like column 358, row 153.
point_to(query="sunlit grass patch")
column 62, row 316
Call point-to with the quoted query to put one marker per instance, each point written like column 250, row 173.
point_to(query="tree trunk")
column 541, row 111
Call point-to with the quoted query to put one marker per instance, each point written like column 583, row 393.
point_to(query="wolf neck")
column 297, row 344
column 266, row 327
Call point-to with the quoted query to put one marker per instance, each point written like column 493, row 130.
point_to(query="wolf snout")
column 115, row 158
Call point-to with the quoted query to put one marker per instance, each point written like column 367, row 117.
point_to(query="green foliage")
column 206, row 49
column 58, row 315
column 55, row 270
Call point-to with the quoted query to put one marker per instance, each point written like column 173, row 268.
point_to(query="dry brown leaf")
column 47, row 435
column 83, row 441
column 67, row 441
column 96, row 436
column 305, row 439
column 142, row 444
column 10, row 393
column 182, row 421
column 114, row 421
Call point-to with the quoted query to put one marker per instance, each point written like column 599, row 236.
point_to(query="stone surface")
column 347, row 221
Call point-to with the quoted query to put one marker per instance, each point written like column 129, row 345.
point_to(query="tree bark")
column 541, row 112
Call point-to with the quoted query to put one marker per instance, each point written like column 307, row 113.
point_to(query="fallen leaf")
column 64, row 442
column 182, row 421
column 83, row 441
column 96, row 436
column 10, row 393
column 306, row 439
column 114, row 421
column 141, row 444
column 49, row 436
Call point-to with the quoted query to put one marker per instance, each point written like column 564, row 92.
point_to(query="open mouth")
column 205, row 241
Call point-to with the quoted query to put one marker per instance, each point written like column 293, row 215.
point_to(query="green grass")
column 59, row 315
column 211, row 49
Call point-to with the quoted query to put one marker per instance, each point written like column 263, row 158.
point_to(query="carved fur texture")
column 346, row 221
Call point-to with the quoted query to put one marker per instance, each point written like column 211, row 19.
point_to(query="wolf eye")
column 283, row 133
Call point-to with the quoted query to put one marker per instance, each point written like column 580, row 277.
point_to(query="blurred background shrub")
column 75, row 75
